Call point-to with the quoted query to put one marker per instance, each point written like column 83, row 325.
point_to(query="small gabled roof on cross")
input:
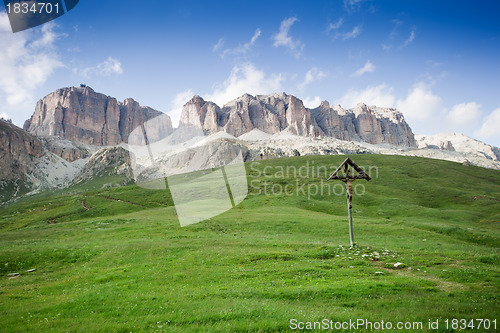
column 348, row 162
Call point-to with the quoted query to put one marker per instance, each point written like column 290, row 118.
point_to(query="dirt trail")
column 84, row 204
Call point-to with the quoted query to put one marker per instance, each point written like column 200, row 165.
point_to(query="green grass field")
column 116, row 259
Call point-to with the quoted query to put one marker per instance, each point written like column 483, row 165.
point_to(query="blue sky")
column 436, row 61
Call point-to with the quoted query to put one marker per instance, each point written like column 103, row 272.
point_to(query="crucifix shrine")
column 348, row 178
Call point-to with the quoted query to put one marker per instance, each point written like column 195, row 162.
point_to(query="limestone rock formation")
column 335, row 122
column 63, row 141
column 18, row 150
column 281, row 112
column 105, row 162
column 66, row 149
column 80, row 114
column 459, row 143
column 199, row 113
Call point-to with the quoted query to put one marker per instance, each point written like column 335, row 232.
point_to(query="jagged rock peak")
column 324, row 105
column 282, row 112
column 80, row 114
column 129, row 101
column 196, row 99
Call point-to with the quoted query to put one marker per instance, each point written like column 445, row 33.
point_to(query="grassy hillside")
column 116, row 259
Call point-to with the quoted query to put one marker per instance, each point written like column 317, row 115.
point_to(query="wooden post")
column 348, row 179
column 348, row 186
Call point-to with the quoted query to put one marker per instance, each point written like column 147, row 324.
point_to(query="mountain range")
column 82, row 115
column 76, row 133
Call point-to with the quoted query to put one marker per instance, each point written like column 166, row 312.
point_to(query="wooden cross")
column 348, row 179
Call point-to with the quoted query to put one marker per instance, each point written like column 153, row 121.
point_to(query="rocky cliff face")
column 105, row 162
column 82, row 115
column 271, row 114
column 460, row 143
column 66, row 149
column 382, row 125
column 18, row 150
column 30, row 165
column 199, row 113
column 72, row 124
column 281, row 112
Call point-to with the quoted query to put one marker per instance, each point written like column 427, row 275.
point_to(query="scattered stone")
column 378, row 272
column 12, row 274
column 31, row 270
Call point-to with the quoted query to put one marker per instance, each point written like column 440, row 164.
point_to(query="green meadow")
column 116, row 259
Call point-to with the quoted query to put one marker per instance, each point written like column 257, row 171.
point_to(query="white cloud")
column 397, row 23
column 49, row 36
column 245, row 79
column 107, row 67
column 395, row 42
column 464, row 116
column 420, row 104
column 219, row 45
column 380, row 95
column 490, row 128
column 367, row 68
column 27, row 59
column 282, row 38
column 176, row 106
column 4, row 116
column 241, row 49
column 312, row 103
column 110, row 66
column 312, row 75
column 336, row 25
column 424, row 111
column 352, row 5
column 254, row 37
column 355, row 32
column 411, row 37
